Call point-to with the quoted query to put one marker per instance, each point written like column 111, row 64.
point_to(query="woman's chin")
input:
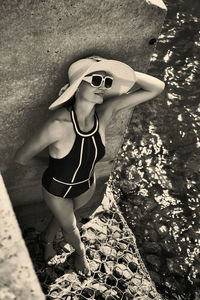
column 99, row 99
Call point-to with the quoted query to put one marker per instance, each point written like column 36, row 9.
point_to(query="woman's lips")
column 100, row 93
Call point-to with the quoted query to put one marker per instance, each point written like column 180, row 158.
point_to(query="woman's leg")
column 48, row 236
column 52, row 228
column 63, row 210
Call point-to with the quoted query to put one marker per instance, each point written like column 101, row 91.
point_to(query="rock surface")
column 117, row 269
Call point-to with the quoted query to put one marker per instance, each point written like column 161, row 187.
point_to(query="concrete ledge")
column 17, row 276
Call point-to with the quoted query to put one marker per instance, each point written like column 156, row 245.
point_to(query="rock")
column 133, row 266
column 177, row 267
column 127, row 296
column 153, row 236
column 150, row 204
column 122, row 284
column 162, row 230
column 102, row 237
column 154, row 261
column 59, row 270
column 168, row 248
column 111, row 280
column 97, row 257
column 109, row 266
column 110, row 294
column 96, row 225
column 151, row 247
column 129, row 257
column 87, row 292
column 109, row 252
column 99, row 287
column 135, row 281
column 155, row 277
column 89, row 235
column 94, row 266
column 117, row 235
column 115, row 232
column 122, row 271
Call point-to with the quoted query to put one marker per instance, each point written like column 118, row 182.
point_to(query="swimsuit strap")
column 77, row 128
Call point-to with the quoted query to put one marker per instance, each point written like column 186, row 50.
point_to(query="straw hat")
column 123, row 77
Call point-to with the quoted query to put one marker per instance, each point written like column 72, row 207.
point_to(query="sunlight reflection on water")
column 164, row 163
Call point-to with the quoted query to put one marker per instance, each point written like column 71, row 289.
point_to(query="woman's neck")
column 84, row 111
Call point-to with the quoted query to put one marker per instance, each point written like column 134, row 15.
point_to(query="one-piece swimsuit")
column 73, row 174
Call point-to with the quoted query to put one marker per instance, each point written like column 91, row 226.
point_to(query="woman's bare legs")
column 48, row 236
column 63, row 210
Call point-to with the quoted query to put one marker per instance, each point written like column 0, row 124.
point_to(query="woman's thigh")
column 82, row 199
column 62, row 209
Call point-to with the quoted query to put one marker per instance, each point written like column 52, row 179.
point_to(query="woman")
column 75, row 135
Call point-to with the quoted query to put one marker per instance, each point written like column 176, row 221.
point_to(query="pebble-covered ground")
column 118, row 272
column 158, row 171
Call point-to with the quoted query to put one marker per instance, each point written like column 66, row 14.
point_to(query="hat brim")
column 123, row 75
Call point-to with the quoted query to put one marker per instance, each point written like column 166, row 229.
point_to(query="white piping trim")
column 96, row 151
column 67, row 191
column 80, row 161
column 84, row 134
column 70, row 183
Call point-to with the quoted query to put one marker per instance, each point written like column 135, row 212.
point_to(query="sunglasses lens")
column 108, row 83
column 96, row 80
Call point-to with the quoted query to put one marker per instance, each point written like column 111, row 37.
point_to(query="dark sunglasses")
column 97, row 80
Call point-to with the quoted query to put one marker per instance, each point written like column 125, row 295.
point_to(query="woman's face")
column 90, row 93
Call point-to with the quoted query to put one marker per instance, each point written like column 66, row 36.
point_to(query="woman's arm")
column 48, row 134
column 150, row 87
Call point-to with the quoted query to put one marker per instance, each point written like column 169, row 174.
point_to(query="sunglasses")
column 97, row 80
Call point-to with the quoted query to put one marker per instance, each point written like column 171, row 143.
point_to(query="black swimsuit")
column 73, row 174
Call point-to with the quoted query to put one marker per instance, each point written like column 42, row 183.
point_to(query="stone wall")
column 39, row 41
column 17, row 277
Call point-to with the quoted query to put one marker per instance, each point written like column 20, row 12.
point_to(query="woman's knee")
column 69, row 226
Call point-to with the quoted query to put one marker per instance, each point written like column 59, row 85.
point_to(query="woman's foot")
column 80, row 262
column 81, row 265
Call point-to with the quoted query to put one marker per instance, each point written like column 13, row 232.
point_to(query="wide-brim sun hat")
column 123, row 77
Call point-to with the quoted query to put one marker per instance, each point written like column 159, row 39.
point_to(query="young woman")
column 75, row 135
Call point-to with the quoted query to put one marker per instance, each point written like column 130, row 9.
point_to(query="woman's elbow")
column 161, row 87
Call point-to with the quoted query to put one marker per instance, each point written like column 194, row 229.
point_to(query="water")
column 158, row 172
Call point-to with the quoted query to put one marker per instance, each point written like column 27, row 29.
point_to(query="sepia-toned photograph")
column 100, row 150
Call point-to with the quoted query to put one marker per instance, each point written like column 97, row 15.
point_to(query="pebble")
column 108, row 252
column 151, row 247
column 155, row 277
column 154, row 261
column 133, row 266
column 122, row 271
column 100, row 287
column 109, row 266
column 162, row 230
column 175, row 267
column 94, row 266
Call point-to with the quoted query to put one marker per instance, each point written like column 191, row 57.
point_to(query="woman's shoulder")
column 62, row 115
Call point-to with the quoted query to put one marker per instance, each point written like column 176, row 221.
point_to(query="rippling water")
column 160, row 168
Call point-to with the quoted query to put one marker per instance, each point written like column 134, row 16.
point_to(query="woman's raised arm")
column 150, row 87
